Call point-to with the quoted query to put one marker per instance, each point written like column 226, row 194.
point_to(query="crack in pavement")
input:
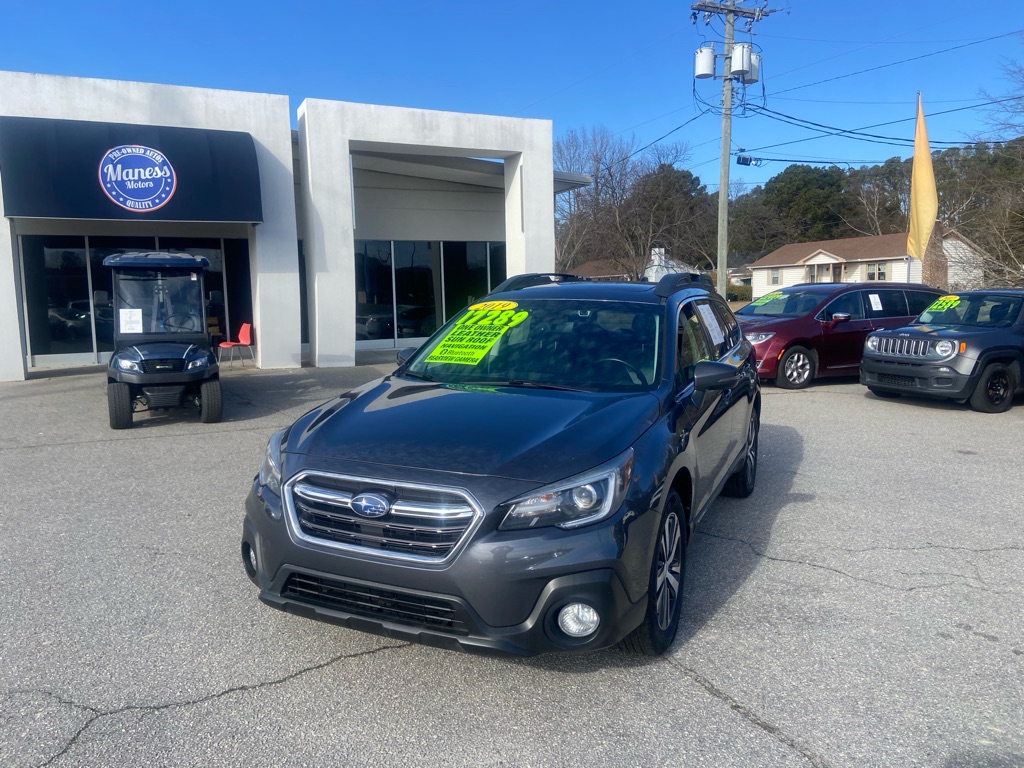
column 144, row 709
column 748, row 714
column 978, row 551
column 819, row 566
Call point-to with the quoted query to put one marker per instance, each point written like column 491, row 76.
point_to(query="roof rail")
column 156, row 260
column 516, row 282
column 669, row 284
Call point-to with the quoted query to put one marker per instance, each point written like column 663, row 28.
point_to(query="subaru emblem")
column 370, row 505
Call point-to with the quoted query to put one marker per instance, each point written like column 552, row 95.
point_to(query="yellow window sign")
column 943, row 303
column 476, row 332
column 766, row 298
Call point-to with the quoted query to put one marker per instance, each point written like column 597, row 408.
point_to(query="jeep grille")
column 424, row 523
column 901, row 346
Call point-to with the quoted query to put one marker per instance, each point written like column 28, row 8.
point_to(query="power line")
column 903, row 61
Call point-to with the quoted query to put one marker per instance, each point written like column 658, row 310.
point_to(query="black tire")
column 119, row 405
column 741, row 483
column 210, row 403
column 665, row 590
column 796, row 368
column 995, row 390
column 882, row 392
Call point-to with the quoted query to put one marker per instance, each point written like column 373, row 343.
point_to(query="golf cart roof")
column 155, row 260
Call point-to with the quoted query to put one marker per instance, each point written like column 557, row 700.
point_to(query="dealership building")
column 362, row 230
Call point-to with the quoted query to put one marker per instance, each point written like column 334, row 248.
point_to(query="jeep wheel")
column 119, row 405
column 796, row 368
column 665, row 591
column 210, row 404
column 995, row 390
column 741, row 483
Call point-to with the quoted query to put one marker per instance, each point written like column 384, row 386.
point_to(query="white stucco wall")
column 329, row 131
column 272, row 244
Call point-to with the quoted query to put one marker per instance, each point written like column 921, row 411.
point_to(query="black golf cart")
column 163, row 355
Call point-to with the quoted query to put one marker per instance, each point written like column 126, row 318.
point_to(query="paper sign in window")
column 876, row 303
column 707, row 314
column 131, row 321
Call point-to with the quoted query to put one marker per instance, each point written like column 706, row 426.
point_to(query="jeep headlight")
column 944, row 348
column 757, row 338
column 270, row 469
column 872, row 343
column 574, row 502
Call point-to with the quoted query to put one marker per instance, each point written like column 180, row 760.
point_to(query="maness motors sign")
column 137, row 178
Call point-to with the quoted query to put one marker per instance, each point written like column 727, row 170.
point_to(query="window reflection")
column 375, row 305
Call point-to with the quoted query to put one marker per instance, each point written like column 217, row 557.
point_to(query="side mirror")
column 709, row 375
column 839, row 317
column 404, row 354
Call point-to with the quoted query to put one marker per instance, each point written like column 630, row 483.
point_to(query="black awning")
column 72, row 169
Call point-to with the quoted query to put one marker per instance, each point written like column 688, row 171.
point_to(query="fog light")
column 578, row 620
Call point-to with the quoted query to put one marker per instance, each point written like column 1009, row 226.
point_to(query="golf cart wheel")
column 119, row 404
column 210, row 404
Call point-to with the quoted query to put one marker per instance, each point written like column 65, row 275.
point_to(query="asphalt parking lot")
column 862, row 608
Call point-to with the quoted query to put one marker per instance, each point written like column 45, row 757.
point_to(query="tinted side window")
column 713, row 328
column 885, row 303
column 691, row 345
column 849, row 303
column 919, row 301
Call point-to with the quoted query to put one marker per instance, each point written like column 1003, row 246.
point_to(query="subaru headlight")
column 944, row 348
column 270, row 469
column 757, row 338
column 128, row 365
column 872, row 343
column 571, row 503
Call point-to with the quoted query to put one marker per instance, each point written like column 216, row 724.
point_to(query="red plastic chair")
column 244, row 342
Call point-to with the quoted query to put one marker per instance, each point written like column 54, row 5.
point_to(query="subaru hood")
column 526, row 434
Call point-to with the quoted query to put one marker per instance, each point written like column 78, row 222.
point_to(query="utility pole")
column 731, row 11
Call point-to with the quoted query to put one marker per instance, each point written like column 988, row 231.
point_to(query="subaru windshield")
column 593, row 346
column 159, row 301
column 789, row 303
column 984, row 310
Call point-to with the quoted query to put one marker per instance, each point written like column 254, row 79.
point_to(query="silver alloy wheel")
column 670, row 570
column 798, row 368
column 750, row 465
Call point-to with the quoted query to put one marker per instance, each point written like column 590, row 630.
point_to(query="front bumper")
column 953, row 380
column 767, row 354
column 501, row 594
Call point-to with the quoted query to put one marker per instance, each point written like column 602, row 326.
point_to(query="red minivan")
column 818, row 329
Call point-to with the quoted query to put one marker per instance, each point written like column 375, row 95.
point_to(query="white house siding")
column 760, row 279
column 963, row 264
column 272, row 244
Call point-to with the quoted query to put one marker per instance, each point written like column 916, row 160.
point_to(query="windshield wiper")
column 524, row 384
column 420, row 376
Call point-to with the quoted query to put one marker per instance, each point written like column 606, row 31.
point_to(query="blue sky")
column 625, row 66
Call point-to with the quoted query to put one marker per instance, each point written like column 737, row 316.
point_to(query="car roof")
column 1017, row 292
column 605, row 290
column 831, row 287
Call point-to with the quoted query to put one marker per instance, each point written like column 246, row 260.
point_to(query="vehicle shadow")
column 726, row 549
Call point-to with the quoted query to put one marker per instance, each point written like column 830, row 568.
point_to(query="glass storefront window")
column 375, row 299
column 417, row 282
column 56, row 294
column 399, row 284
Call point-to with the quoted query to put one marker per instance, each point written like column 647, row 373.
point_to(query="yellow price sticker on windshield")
column 943, row 303
column 476, row 332
column 766, row 298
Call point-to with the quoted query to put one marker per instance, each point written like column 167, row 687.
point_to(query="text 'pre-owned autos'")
column 526, row 481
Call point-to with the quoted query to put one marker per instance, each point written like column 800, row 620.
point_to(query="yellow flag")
column 924, row 200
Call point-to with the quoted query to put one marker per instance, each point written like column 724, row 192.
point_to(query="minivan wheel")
column 665, row 591
column 995, row 389
column 796, row 368
column 741, row 483
column 119, row 405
